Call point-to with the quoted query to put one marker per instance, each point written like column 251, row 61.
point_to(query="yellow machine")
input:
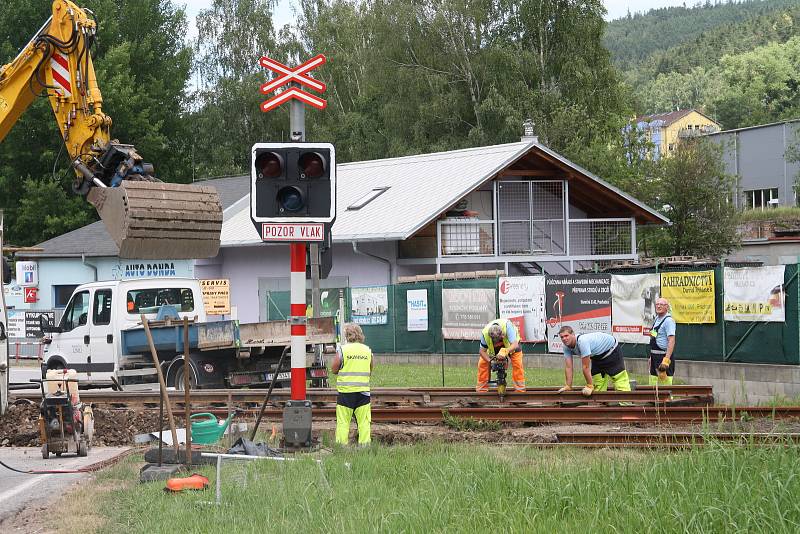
column 147, row 219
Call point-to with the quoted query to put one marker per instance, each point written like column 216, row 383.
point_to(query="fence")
column 743, row 342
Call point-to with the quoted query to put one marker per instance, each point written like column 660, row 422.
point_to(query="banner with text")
column 16, row 323
column 690, row 295
column 522, row 301
column 633, row 306
column 370, row 305
column 582, row 301
column 216, row 296
column 754, row 294
column 417, row 310
column 466, row 311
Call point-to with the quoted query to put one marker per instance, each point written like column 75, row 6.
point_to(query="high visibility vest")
column 488, row 340
column 354, row 375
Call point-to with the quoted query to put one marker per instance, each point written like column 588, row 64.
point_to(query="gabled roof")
column 671, row 116
column 93, row 240
column 420, row 189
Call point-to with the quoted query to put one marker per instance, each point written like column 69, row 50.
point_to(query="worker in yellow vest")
column 499, row 340
column 353, row 366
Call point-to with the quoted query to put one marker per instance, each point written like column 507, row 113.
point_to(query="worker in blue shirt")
column 601, row 360
column 662, row 345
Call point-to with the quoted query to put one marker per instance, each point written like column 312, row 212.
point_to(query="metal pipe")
column 384, row 260
column 90, row 265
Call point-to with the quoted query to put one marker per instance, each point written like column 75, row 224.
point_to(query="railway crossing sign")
column 295, row 75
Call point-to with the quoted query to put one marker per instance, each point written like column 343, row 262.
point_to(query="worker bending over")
column 499, row 340
column 598, row 350
column 353, row 366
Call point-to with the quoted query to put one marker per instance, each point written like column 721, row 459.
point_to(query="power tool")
column 499, row 368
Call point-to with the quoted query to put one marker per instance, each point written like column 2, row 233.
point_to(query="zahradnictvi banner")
column 466, row 311
column 582, row 301
column 754, row 294
column 633, row 306
column 690, row 295
column 521, row 300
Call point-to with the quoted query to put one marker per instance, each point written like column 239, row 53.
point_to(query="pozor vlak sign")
column 293, row 191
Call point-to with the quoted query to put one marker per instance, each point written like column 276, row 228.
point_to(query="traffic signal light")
column 293, row 183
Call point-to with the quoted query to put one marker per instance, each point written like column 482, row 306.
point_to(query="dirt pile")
column 20, row 427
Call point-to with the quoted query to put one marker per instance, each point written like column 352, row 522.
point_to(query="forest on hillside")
column 739, row 62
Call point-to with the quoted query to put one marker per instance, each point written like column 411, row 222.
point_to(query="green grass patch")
column 456, row 488
column 469, row 424
column 775, row 214
column 413, row 375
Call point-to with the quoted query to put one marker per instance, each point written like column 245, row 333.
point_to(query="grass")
column 438, row 487
column 412, row 375
column 469, row 424
column 775, row 214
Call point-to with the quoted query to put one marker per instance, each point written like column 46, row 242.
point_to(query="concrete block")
column 154, row 473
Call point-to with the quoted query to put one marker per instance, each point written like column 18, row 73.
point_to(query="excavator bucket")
column 156, row 220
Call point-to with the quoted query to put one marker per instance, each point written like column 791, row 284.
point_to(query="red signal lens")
column 269, row 165
column 312, row 165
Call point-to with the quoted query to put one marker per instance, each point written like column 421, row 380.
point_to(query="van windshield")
column 148, row 300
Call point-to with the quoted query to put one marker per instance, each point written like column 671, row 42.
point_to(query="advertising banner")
column 417, row 310
column 633, row 306
column 16, row 323
column 754, row 294
column 690, row 295
column 466, row 311
column 32, row 325
column 582, row 301
column 522, row 301
column 216, row 296
column 370, row 305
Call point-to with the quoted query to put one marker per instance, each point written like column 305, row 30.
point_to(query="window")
column 77, row 312
column 61, row 295
column 366, row 199
column 101, row 307
column 760, row 199
column 150, row 299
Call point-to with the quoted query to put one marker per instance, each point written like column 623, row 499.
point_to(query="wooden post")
column 161, row 383
column 186, row 395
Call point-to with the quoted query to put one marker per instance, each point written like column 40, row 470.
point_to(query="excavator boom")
column 146, row 218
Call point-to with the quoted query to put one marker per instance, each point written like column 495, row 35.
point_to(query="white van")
column 87, row 339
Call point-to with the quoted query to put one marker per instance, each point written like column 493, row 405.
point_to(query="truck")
column 146, row 218
column 101, row 336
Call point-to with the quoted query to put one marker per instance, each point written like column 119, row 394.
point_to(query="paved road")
column 18, row 490
column 24, row 374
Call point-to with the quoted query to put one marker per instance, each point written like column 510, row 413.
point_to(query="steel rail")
column 389, row 396
column 585, row 414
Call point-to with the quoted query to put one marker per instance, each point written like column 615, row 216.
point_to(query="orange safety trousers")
column 517, row 373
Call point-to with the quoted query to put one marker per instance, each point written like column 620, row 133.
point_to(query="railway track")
column 422, row 397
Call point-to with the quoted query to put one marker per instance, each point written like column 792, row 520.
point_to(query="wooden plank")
column 278, row 333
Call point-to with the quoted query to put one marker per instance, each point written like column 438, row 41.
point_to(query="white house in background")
column 517, row 207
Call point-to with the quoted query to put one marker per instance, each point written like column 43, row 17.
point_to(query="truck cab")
column 87, row 338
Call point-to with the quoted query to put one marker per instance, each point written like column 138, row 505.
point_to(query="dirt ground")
column 118, row 427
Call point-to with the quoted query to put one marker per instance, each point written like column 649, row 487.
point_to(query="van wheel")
column 54, row 364
column 177, row 376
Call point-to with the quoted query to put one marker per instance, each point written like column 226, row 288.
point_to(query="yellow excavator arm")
column 147, row 219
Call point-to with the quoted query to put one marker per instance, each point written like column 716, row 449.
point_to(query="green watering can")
column 206, row 429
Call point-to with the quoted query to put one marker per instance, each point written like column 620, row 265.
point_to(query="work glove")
column 502, row 354
column 565, row 388
column 662, row 369
column 587, row 390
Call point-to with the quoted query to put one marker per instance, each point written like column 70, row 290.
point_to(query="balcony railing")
column 587, row 238
column 465, row 236
column 602, row 237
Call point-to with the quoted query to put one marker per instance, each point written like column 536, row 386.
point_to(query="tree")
column 696, row 194
column 142, row 70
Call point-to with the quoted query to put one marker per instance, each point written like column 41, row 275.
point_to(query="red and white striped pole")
column 298, row 319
